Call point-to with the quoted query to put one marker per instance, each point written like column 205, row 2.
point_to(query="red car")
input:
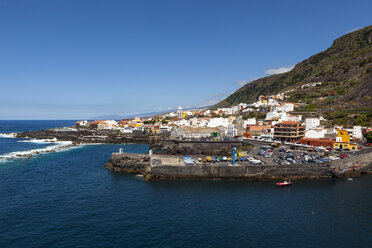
column 344, row 156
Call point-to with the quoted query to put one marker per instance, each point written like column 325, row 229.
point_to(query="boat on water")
column 283, row 184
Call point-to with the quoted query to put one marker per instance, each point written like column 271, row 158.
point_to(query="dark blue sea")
column 68, row 199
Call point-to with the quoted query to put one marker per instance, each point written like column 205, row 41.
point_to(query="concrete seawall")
column 253, row 172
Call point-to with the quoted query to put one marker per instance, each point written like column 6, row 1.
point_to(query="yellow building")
column 345, row 145
column 343, row 141
column 343, row 136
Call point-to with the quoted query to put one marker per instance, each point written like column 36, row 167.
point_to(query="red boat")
column 285, row 183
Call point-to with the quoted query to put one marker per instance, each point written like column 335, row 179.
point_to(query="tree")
column 368, row 135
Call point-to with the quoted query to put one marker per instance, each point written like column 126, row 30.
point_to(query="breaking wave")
column 8, row 135
column 58, row 146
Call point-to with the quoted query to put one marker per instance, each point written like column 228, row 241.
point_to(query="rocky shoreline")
column 85, row 136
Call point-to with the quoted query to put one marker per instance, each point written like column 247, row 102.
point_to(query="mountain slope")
column 345, row 70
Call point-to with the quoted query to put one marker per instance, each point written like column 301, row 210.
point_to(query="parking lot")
column 285, row 155
column 269, row 154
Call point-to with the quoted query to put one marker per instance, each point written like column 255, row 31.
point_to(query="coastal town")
column 270, row 118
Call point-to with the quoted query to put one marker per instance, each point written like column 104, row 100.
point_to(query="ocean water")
column 68, row 199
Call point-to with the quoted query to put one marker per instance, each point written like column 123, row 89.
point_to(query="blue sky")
column 79, row 59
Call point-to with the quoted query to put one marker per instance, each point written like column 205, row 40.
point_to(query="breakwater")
column 158, row 167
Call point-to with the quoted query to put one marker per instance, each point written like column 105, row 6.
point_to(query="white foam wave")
column 58, row 147
column 42, row 141
column 8, row 135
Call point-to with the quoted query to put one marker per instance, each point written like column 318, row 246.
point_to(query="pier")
column 159, row 167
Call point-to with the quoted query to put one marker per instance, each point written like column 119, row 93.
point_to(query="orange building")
column 317, row 142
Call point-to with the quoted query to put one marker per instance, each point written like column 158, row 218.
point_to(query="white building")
column 82, row 123
column 182, row 122
column 357, row 132
column 235, row 109
column 288, row 107
column 107, row 124
column 126, row 130
column 311, row 123
column 296, row 118
column 216, row 122
column 231, row 131
column 242, row 106
column 273, row 115
column 315, row 133
column 226, row 111
column 250, row 121
column 165, row 128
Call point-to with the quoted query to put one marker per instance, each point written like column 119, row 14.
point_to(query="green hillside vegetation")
column 345, row 71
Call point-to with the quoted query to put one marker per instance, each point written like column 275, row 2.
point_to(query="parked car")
column 188, row 160
column 256, row 162
column 344, row 156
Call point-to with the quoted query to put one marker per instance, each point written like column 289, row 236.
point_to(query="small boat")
column 285, row 183
column 139, row 175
